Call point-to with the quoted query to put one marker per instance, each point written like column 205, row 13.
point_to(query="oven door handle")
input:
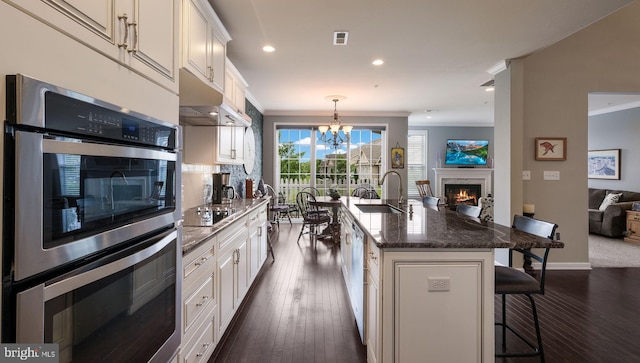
column 62, row 287
column 95, row 149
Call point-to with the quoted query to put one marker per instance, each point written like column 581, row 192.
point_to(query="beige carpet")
column 612, row 252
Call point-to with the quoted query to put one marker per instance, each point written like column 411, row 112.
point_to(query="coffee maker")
column 221, row 189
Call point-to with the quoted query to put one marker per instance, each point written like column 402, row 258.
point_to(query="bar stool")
column 511, row 281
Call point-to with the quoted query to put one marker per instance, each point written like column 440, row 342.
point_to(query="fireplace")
column 462, row 193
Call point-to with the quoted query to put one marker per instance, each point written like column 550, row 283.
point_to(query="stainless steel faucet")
column 381, row 181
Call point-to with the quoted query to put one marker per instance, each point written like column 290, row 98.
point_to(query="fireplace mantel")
column 480, row 176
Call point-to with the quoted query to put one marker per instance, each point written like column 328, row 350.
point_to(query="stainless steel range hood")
column 201, row 105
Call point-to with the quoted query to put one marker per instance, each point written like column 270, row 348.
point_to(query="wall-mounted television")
column 466, row 152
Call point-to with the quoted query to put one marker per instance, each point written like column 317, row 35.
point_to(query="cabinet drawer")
column 201, row 300
column 201, row 346
column 202, row 258
column 373, row 259
column 633, row 217
column 228, row 236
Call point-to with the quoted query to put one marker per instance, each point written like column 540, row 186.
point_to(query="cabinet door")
column 195, row 47
column 153, row 43
column 263, row 243
column 230, row 145
column 254, row 252
column 226, row 297
column 242, row 273
column 91, row 22
column 216, row 60
column 432, row 322
column 373, row 314
column 238, row 96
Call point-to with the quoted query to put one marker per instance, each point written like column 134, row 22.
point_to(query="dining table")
column 334, row 205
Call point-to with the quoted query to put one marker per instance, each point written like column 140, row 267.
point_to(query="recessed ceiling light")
column 377, row 62
column 268, row 49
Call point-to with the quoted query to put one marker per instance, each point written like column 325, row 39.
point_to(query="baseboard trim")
column 565, row 266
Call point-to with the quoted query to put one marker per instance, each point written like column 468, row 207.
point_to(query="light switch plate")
column 551, row 175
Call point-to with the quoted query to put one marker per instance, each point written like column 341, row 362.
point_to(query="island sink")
column 378, row 208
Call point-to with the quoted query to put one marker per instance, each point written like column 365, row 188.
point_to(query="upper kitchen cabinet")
column 142, row 35
column 235, row 88
column 204, row 41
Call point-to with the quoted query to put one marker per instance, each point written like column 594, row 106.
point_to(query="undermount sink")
column 378, row 208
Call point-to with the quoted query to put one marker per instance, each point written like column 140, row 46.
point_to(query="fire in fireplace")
column 462, row 193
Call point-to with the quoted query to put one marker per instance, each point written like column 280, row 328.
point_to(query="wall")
column 556, row 81
column 437, row 141
column 618, row 130
column 396, row 126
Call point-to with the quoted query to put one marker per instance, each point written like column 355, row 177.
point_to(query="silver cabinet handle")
column 123, row 18
column 204, row 299
column 134, row 48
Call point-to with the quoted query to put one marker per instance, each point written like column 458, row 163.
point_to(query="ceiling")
column 437, row 53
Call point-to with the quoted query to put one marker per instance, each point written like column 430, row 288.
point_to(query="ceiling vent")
column 340, row 38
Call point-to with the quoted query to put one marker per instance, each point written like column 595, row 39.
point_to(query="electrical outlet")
column 551, row 175
column 439, row 283
column 526, row 175
column 558, row 236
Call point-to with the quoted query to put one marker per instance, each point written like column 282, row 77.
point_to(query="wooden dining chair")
column 424, row 188
column 312, row 217
column 512, row 281
column 277, row 208
column 468, row 210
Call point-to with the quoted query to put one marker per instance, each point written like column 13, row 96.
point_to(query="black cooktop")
column 206, row 216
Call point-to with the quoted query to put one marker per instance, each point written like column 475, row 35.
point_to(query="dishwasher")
column 357, row 278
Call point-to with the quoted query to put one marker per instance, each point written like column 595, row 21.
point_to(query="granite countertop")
column 429, row 227
column 199, row 224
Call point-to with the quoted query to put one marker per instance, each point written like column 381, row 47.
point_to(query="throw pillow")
column 608, row 200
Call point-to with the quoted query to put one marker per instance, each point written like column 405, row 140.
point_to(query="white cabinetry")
column 213, row 145
column 346, row 233
column 139, row 34
column 438, row 310
column 372, row 326
column 204, row 41
column 199, row 308
column 256, row 224
column 235, row 88
column 233, row 272
column 230, row 145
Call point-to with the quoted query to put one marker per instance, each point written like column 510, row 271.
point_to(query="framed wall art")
column 397, row 157
column 551, row 148
column 604, row 164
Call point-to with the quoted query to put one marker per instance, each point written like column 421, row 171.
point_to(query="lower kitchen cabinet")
column 438, row 309
column 199, row 307
column 233, row 273
column 217, row 275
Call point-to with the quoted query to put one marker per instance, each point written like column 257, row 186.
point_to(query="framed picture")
column 551, row 148
column 397, row 158
column 604, row 164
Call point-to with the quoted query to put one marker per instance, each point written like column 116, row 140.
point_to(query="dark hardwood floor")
column 299, row 312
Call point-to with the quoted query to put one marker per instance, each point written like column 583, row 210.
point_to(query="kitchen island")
column 427, row 279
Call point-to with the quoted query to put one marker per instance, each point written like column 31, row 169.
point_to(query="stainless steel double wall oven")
column 91, row 228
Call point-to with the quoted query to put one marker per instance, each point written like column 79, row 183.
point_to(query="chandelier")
column 334, row 138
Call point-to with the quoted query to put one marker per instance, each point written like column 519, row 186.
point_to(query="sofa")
column 610, row 219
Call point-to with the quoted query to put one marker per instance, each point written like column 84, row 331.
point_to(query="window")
column 343, row 167
column 416, row 159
